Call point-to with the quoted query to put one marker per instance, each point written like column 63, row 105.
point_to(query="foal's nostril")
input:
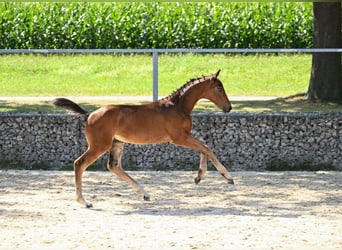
column 227, row 109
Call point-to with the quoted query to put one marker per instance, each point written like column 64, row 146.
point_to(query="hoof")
column 146, row 198
column 231, row 181
column 89, row 205
column 197, row 180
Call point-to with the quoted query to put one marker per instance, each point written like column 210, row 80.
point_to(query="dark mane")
column 173, row 98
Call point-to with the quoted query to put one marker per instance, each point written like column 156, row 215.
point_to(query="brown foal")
column 165, row 120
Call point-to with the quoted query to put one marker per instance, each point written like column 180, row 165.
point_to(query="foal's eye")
column 219, row 88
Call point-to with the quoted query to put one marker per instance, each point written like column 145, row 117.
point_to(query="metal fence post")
column 155, row 76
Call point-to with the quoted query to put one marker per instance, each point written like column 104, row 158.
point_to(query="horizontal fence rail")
column 155, row 53
column 104, row 51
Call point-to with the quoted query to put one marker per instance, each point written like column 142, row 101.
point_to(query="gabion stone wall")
column 240, row 141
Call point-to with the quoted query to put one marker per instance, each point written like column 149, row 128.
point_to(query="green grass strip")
column 113, row 75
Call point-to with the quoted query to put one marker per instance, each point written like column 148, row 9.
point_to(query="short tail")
column 69, row 105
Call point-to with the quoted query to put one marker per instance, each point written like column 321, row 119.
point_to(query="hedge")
column 155, row 25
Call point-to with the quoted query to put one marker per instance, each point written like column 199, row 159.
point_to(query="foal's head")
column 217, row 94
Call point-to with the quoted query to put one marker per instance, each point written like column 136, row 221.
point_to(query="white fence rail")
column 156, row 52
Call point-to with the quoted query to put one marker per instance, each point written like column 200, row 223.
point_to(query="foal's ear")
column 216, row 74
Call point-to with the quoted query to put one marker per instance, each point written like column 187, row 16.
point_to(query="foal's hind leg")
column 80, row 165
column 202, row 168
column 114, row 165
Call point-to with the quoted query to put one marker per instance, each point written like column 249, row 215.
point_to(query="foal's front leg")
column 202, row 168
column 114, row 165
column 195, row 144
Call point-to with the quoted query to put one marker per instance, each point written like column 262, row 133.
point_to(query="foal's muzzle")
column 226, row 109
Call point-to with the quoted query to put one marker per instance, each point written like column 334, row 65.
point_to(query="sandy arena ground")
column 264, row 210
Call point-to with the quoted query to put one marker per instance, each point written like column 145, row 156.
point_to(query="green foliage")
column 155, row 25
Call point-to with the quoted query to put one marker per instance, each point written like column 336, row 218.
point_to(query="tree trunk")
column 326, row 70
